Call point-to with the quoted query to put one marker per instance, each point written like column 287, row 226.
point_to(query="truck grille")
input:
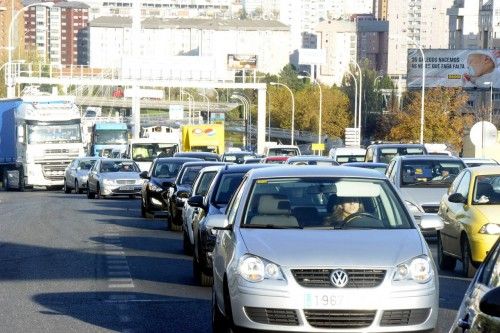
column 54, row 170
column 320, row 278
column 273, row 316
column 343, row 319
column 404, row 317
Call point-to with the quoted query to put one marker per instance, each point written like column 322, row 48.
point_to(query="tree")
column 445, row 121
column 289, row 76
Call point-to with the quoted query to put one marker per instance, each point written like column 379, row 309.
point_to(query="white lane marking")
column 118, row 297
column 120, row 280
column 121, row 285
column 114, row 253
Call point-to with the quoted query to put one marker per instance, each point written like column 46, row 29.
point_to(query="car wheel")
column 445, row 261
column 78, row 190
column 98, row 194
column 230, row 327
column 174, row 227
column 143, row 209
column 66, row 188
column 219, row 322
column 186, row 243
column 468, row 269
column 90, row 194
column 206, row 280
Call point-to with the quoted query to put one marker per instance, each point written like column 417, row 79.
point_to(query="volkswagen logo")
column 339, row 278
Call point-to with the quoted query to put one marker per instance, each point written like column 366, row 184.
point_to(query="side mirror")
column 144, row 175
column 490, row 303
column 457, row 198
column 217, row 222
column 196, row 201
column 431, row 222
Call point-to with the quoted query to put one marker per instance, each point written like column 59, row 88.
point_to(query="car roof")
column 485, row 170
column 117, row 159
column 390, row 145
column 198, row 163
column 239, row 168
column 189, row 153
column 429, row 157
column 243, row 152
column 314, row 171
column 179, row 159
column 374, row 164
column 212, row 168
column 309, row 158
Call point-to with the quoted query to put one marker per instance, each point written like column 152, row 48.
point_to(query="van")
column 347, row 154
column 385, row 152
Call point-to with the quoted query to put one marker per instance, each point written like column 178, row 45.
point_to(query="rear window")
column 167, row 169
column 434, row 173
column 189, row 175
column 350, row 158
column 387, row 154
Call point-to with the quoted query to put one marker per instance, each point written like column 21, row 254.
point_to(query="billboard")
column 312, row 56
column 241, row 61
column 176, row 112
column 468, row 69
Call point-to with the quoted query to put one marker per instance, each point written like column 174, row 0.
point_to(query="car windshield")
column 147, row 152
column 437, row 173
column 189, row 175
column 324, row 203
column 167, row 169
column 119, row 166
column 387, row 154
column 86, row 165
column 204, row 182
column 227, row 186
column 487, row 190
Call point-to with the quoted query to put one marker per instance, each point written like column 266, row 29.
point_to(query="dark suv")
column 385, row 152
column 180, row 190
column 224, row 184
column 163, row 171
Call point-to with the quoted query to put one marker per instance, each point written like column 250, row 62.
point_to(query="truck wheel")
column 22, row 183
column 5, row 181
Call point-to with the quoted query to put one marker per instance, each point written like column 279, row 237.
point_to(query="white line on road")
column 121, row 285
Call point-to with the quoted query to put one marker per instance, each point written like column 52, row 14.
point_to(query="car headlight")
column 154, row 188
column 414, row 209
column 418, row 269
column 256, row 269
column 108, row 182
column 490, row 229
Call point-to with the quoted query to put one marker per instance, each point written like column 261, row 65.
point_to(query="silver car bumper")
column 287, row 306
column 121, row 189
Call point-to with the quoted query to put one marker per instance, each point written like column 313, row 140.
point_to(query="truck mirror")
column 20, row 133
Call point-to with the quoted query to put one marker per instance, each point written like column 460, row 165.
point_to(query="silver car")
column 76, row 174
column 113, row 176
column 423, row 180
column 283, row 263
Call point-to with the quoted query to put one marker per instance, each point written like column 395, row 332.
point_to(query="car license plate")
column 127, row 188
column 312, row 300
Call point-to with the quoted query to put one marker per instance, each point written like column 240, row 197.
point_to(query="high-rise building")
column 414, row 23
column 380, row 9
column 261, row 9
column 343, row 9
column 59, row 34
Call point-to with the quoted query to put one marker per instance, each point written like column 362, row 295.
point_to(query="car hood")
column 343, row 248
column 489, row 213
column 120, row 175
column 423, row 195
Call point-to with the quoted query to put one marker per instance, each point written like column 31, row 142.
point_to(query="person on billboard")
column 481, row 68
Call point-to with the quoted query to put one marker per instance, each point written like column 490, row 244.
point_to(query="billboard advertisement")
column 241, row 61
column 469, row 69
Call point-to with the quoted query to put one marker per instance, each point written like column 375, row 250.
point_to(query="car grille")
column 404, row 317
column 125, row 182
column 339, row 318
column 430, row 208
column 320, row 278
column 273, row 316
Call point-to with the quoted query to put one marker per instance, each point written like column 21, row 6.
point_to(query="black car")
column 224, row 184
column 154, row 190
column 180, row 190
column 212, row 157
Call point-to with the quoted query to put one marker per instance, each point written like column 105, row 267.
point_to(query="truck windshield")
column 51, row 133
column 111, row 137
column 146, row 152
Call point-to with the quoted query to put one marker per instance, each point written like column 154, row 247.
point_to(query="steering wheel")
column 355, row 216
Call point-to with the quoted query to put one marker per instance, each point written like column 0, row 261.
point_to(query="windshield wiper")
column 269, row 226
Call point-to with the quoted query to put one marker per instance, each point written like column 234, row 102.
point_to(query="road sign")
column 352, row 137
column 176, row 112
column 318, row 146
column 483, row 134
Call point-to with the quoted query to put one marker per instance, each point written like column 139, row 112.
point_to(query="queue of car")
column 373, row 272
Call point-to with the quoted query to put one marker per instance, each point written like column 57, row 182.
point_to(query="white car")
column 113, row 176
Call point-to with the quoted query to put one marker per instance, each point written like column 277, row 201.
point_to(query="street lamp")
column 360, row 99
column 355, row 96
column 422, row 119
column 10, row 81
column 246, row 110
column 208, row 106
column 320, row 104
column 190, row 99
column 292, row 134
column 490, row 83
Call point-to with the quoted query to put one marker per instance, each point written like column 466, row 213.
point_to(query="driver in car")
column 343, row 210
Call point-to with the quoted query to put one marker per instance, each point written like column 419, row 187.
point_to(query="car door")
column 92, row 176
column 71, row 173
column 455, row 215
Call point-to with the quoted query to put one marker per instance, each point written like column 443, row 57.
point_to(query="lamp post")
column 490, row 83
column 422, row 119
column 360, row 99
column 10, row 81
column 269, row 116
column 292, row 134
column 190, row 99
column 208, row 106
column 246, row 108
column 355, row 96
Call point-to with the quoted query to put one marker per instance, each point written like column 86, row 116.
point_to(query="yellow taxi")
column 471, row 215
